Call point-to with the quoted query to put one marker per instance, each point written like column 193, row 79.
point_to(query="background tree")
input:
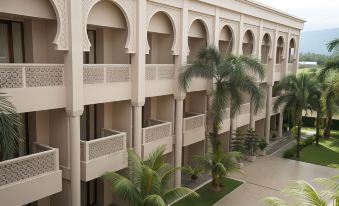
column 296, row 99
column 148, row 183
column 232, row 75
column 10, row 128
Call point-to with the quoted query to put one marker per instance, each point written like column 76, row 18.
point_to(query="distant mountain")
column 315, row 41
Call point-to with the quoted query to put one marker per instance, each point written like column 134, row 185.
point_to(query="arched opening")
column 265, row 48
column 107, row 32
column 226, row 41
column 248, row 43
column 280, row 50
column 197, row 39
column 160, row 40
column 291, row 51
column 27, row 34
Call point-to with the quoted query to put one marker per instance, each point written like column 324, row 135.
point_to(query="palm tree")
column 315, row 104
column 10, row 128
column 148, row 183
column 231, row 77
column 220, row 164
column 296, row 99
column 306, row 194
column 330, row 99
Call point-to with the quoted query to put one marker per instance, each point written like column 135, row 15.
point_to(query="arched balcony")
column 248, row 43
column 106, row 65
column 197, row 39
column 266, row 49
column 160, row 69
column 280, row 50
column 226, row 40
column 292, row 54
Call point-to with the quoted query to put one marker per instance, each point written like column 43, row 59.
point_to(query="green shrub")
column 262, row 144
column 290, row 153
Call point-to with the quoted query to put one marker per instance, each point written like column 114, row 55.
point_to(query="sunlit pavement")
column 270, row 174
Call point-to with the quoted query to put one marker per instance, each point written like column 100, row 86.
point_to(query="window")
column 11, row 42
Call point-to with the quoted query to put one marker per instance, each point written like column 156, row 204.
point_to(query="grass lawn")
column 208, row 196
column 326, row 153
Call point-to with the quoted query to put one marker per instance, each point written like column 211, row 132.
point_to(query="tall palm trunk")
column 299, row 119
column 327, row 130
column 317, row 135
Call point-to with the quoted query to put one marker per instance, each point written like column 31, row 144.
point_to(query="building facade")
column 92, row 78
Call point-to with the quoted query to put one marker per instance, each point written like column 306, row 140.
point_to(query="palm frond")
column 153, row 200
column 273, row 201
column 177, row 193
column 156, row 158
column 333, row 44
column 124, row 187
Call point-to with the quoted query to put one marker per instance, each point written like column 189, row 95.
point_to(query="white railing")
column 245, row 108
column 31, row 75
column 111, row 142
column 106, row 73
column 278, row 67
column 19, row 169
column 226, row 114
column 158, row 130
column 193, row 121
column 159, row 71
column 290, row 68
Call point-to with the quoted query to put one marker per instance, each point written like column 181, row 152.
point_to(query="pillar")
column 252, row 118
column 137, row 129
column 178, row 139
column 268, row 113
column 74, row 125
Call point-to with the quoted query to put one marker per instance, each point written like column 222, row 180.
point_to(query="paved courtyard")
column 267, row 176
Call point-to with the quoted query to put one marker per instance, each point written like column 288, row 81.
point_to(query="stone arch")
column 230, row 32
column 61, row 37
column 280, row 48
column 248, row 43
column 266, row 48
column 125, row 6
column 197, row 38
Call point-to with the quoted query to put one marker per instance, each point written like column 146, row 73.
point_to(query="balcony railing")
column 111, row 142
column 157, row 134
column 159, row 71
column 31, row 75
column 245, row 109
column 104, row 154
column 193, row 121
column 32, row 174
column 194, row 128
column 290, row 69
column 106, row 73
column 45, row 160
column 278, row 67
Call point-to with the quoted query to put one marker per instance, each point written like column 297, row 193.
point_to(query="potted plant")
column 274, row 134
column 193, row 172
column 262, row 147
column 251, row 145
column 238, row 145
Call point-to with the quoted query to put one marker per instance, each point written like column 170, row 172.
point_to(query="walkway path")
column 267, row 176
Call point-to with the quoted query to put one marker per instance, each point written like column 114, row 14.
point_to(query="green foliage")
column 220, row 164
column 305, row 194
column 290, row 153
column 193, row 172
column 238, row 142
column 251, row 142
column 319, row 58
column 232, row 78
column 147, row 182
column 262, row 144
column 274, row 134
column 208, row 197
column 11, row 128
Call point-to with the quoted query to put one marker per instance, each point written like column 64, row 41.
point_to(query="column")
column 74, row 93
column 268, row 113
column 74, row 125
column 137, row 129
column 138, row 76
column 252, row 118
column 178, row 139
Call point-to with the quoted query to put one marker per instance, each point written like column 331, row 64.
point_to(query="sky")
column 319, row 14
